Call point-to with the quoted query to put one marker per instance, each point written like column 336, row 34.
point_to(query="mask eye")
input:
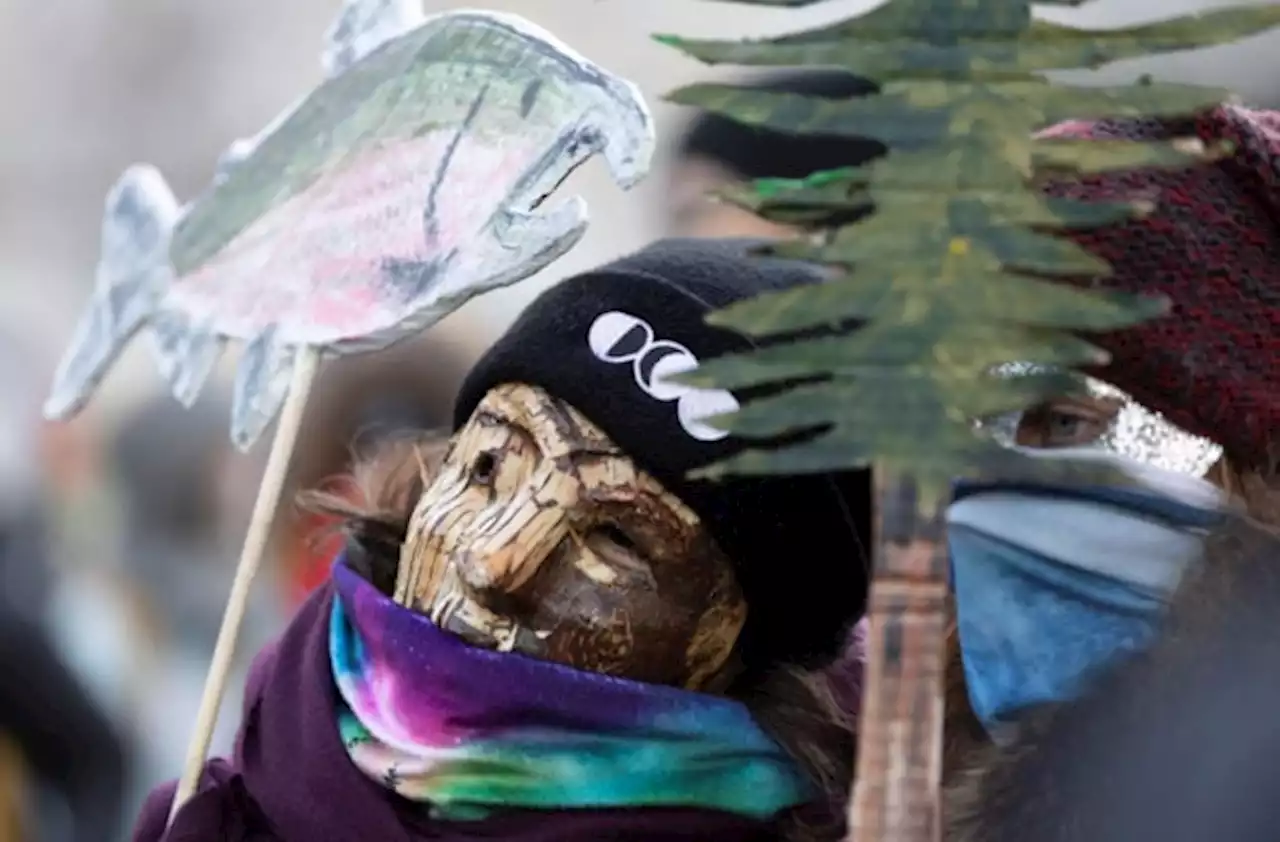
column 622, row 554
column 484, row 469
column 613, row 535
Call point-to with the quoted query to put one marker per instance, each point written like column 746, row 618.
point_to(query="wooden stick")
column 255, row 544
column 896, row 791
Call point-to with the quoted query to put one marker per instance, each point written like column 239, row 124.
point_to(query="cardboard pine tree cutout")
column 958, row 272
column 411, row 180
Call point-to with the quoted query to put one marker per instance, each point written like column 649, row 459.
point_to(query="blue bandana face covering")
column 1052, row 583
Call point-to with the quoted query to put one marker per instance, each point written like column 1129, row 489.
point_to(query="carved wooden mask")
column 539, row 535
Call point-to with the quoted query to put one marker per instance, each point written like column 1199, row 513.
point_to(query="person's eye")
column 1065, row 426
column 1061, row 426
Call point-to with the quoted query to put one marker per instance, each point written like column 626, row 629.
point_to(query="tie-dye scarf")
column 467, row 730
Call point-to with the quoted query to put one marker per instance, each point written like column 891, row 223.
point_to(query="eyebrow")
column 1095, row 402
column 490, row 416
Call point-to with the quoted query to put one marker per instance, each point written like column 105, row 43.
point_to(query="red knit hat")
column 1213, row 248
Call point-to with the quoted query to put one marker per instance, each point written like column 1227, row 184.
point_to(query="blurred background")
column 118, row 531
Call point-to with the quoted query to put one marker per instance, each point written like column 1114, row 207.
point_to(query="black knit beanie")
column 603, row 340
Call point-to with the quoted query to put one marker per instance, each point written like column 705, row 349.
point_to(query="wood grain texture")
column 896, row 794
column 540, row 535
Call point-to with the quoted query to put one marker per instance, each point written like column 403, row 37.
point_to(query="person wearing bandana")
column 1085, row 616
column 1051, row 581
column 543, row 629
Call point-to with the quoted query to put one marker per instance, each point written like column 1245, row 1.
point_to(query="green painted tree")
column 956, row 267
column 959, row 269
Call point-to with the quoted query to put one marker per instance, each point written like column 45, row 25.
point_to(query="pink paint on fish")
column 315, row 266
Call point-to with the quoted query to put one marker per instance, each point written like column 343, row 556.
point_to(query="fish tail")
column 262, row 383
column 185, row 352
column 132, row 276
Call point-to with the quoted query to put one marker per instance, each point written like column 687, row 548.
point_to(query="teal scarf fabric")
column 468, row 730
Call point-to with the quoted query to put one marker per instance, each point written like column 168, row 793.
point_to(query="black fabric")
column 755, row 152
column 66, row 740
column 797, row 541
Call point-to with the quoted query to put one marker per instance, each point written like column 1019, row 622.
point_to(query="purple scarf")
column 292, row 780
column 469, row 731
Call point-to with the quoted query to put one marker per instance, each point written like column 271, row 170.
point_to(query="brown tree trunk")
column 896, row 794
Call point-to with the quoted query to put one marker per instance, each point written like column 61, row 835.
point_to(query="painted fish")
column 409, row 181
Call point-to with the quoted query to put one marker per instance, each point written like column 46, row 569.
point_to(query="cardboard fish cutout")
column 412, row 179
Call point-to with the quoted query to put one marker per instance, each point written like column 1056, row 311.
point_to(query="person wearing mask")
column 1108, row 638
column 543, row 629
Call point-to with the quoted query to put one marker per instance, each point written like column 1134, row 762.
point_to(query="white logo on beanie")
column 617, row 337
